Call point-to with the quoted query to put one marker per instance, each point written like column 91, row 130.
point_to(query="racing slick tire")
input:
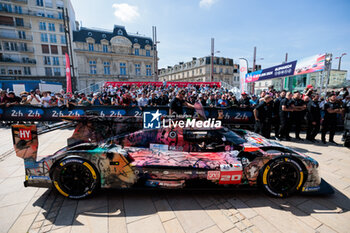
column 76, row 178
column 282, row 177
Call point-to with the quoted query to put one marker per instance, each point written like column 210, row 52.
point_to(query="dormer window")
column 120, row 32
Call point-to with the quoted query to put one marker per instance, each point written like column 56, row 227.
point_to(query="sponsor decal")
column 38, row 178
column 151, row 120
column 25, row 134
column 213, row 175
column 114, row 163
column 230, row 173
column 159, row 147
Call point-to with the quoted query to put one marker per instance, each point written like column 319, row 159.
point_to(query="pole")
column 155, row 53
column 212, row 60
column 254, row 64
column 339, row 62
column 328, row 67
column 69, row 45
column 284, row 78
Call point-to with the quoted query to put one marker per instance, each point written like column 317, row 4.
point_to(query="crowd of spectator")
column 277, row 110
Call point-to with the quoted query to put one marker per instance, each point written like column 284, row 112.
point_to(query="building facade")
column 199, row 70
column 32, row 39
column 337, row 79
column 116, row 55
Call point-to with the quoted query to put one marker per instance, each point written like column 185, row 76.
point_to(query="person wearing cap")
column 96, row 100
column 329, row 123
column 211, row 102
column 13, row 99
column 153, row 101
column 254, row 101
column 105, row 99
column 244, row 101
column 23, row 98
column 313, row 117
column 83, row 101
column 263, row 116
column 308, row 90
column 178, row 102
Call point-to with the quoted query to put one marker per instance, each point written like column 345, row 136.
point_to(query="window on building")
column 105, row 48
column 214, row 70
column 6, row 7
column 10, row 46
column 43, row 37
column 23, row 46
column 63, row 39
column 53, row 38
column 27, row 71
column 54, row 49
column 45, row 48
column 18, row 9
column 55, row 61
column 122, row 68
column 50, row 14
column 48, row 71
column 92, row 67
column 221, row 70
column 107, row 68
column 64, row 49
column 200, row 71
column 19, row 22
column 60, row 15
column 48, row 3
column 56, row 71
column 47, row 60
column 2, row 71
column 39, row 2
column 52, row 27
column 137, row 51
column 148, row 70
column 61, row 28
column 148, row 53
column 227, row 62
column 21, row 34
column 42, row 26
column 138, row 69
column 91, row 47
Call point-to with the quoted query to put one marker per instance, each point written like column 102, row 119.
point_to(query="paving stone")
column 93, row 203
column 164, row 210
column 61, row 229
column 233, row 230
column 91, row 221
column 65, row 216
column 22, row 223
column 9, row 214
column 213, row 229
column 173, row 226
column 242, row 207
column 240, row 226
column 151, row 224
column 116, row 215
column 138, row 206
column 190, row 215
column 263, row 225
column 204, row 200
column 337, row 221
column 219, row 218
column 254, row 229
column 325, row 229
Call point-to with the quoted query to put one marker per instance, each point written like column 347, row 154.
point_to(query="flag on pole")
column 243, row 70
column 68, row 76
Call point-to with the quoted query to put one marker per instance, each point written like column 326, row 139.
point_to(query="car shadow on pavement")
column 136, row 204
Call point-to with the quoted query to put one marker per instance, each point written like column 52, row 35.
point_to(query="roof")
column 99, row 34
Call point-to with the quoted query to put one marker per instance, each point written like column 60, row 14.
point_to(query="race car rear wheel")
column 76, row 178
column 282, row 177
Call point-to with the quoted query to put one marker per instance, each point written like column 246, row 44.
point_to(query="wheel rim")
column 283, row 177
column 76, row 179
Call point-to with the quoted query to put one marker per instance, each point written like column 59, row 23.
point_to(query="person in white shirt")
column 143, row 101
column 45, row 99
column 34, row 99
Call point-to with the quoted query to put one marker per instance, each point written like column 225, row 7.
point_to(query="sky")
column 300, row 28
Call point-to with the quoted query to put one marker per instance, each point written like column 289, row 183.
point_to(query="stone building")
column 32, row 39
column 198, row 70
column 116, row 55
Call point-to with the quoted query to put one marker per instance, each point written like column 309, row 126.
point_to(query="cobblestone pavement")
column 43, row 210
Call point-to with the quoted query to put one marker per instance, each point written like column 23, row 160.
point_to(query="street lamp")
column 340, row 59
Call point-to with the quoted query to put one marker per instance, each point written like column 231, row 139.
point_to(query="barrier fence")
column 231, row 116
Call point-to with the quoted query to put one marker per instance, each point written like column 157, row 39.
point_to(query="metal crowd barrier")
column 229, row 116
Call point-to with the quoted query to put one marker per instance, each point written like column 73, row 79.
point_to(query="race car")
column 107, row 155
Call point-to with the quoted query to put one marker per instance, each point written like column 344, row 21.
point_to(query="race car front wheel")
column 282, row 177
column 76, row 178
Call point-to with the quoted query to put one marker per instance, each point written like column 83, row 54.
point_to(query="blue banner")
column 286, row 69
column 232, row 115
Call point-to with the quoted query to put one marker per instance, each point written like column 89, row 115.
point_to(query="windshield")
column 230, row 136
